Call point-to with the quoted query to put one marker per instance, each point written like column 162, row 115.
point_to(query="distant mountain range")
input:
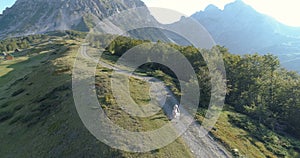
column 244, row 30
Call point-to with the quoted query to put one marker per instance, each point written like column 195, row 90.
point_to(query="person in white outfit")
column 176, row 112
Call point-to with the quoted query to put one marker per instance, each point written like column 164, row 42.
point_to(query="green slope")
column 38, row 117
column 37, row 113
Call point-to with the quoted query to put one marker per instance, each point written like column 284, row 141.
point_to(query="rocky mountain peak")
column 38, row 16
column 211, row 7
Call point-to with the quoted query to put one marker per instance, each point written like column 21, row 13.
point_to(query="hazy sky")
column 286, row 11
column 6, row 3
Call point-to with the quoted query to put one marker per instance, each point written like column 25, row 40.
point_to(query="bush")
column 18, row 107
column 108, row 99
column 18, row 92
column 16, row 119
column 6, row 115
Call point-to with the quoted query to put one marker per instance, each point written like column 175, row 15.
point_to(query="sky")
column 285, row 11
column 6, row 3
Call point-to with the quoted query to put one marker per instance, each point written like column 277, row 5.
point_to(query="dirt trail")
column 202, row 147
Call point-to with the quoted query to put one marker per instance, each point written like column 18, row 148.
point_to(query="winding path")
column 202, row 147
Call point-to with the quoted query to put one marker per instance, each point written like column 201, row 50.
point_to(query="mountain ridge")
column 238, row 17
column 243, row 30
column 39, row 16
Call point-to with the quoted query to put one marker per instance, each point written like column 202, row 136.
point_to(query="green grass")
column 5, row 65
column 235, row 135
column 139, row 92
column 232, row 136
column 41, row 120
column 237, row 138
column 38, row 117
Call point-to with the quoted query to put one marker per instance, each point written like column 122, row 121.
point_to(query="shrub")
column 6, row 115
column 18, row 92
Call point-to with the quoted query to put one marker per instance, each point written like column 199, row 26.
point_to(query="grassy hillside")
column 38, row 117
column 261, row 116
column 238, row 131
column 37, row 113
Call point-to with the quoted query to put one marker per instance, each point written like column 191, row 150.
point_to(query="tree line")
column 256, row 84
column 11, row 44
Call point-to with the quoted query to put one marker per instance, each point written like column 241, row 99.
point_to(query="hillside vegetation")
column 37, row 113
column 38, row 116
column 262, row 98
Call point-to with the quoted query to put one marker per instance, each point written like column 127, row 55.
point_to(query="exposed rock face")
column 38, row 16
